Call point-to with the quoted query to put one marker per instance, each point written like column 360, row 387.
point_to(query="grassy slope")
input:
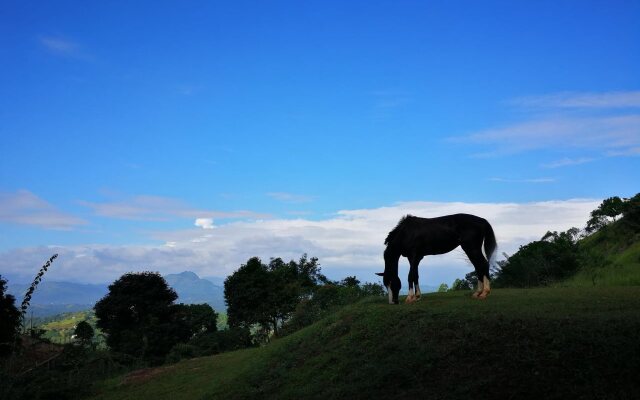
column 615, row 251
column 533, row 343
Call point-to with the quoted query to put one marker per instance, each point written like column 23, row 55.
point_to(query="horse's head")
column 393, row 285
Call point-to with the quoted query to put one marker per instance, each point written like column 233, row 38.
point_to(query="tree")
column 9, row 320
column 461, row 284
column 443, row 288
column 612, row 207
column 197, row 319
column 84, row 332
column 245, row 292
column 631, row 213
column 138, row 316
column 267, row 295
column 606, row 212
column 350, row 281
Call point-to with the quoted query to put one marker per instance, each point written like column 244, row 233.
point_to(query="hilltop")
column 520, row 343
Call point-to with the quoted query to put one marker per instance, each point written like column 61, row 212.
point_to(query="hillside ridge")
column 527, row 343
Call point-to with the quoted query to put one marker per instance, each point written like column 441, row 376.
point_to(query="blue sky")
column 134, row 127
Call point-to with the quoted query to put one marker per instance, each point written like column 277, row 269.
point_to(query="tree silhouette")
column 267, row 294
column 9, row 320
column 138, row 316
column 84, row 332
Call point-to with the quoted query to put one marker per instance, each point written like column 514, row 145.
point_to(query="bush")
column 553, row 258
column 211, row 343
column 326, row 299
column 182, row 351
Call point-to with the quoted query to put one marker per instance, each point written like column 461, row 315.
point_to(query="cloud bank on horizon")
column 347, row 243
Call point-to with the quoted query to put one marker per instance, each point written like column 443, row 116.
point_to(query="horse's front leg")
column 414, row 289
column 411, row 297
column 418, row 294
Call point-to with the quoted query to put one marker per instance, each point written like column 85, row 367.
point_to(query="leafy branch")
column 27, row 297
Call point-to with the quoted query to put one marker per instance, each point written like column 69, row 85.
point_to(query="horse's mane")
column 395, row 230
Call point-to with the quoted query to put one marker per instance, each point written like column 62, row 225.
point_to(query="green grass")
column 520, row 343
column 613, row 259
column 60, row 328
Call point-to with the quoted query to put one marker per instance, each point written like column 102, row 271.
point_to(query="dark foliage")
column 9, row 320
column 84, row 332
column 244, row 292
column 631, row 214
column 70, row 375
column 197, row 319
column 327, row 299
column 267, row 295
column 139, row 318
column 553, row 258
column 468, row 283
column 211, row 343
column 611, row 208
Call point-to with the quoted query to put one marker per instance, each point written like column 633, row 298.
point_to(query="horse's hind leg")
column 481, row 266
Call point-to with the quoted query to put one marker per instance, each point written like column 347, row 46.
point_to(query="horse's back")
column 442, row 234
column 461, row 218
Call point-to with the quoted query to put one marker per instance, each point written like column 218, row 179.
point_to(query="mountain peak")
column 187, row 275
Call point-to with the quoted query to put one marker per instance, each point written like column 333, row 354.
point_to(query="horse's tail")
column 490, row 244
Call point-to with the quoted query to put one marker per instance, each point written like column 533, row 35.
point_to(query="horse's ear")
column 380, row 273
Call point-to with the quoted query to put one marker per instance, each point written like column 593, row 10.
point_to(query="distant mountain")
column 52, row 298
column 216, row 280
column 55, row 297
column 192, row 289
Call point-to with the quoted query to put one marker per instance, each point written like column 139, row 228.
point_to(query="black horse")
column 416, row 237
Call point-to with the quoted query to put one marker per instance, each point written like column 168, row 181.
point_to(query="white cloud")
column 157, row 208
column 630, row 152
column 290, row 197
column 24, row 207
column 63, row 47
column 565, row 162
column 350, row 242
column 615, row 133
column 204, row 223
column 626, row 99
column 531, row 180
column 386, row 102
column 606, row 122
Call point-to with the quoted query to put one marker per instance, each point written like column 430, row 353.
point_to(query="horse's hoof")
column 476, row 295
column 410, row 299
column 417, row 298
column 483, row 295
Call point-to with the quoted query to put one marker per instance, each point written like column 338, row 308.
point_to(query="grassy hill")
column 612, row 258
column 520, row 343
